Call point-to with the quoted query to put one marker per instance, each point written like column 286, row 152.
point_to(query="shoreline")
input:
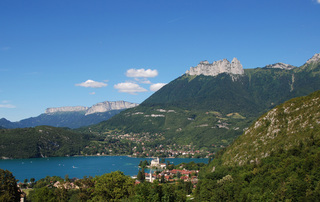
column 7, row 158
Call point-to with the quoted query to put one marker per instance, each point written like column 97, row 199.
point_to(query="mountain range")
column 205, row 112
column 72, row 117
column 212, row 104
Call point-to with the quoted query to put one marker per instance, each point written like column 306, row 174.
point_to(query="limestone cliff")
column 66, row 109
column 217, row 67
column 315, row 58
column 280, row 65
column 100, row 107
column 108, row 106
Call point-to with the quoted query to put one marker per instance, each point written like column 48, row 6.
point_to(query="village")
column 165, row 173
column 145, row 145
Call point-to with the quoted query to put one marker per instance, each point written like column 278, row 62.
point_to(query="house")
column 163, row 165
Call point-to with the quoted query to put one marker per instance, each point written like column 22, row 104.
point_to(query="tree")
column 8, row 187
column 113, row 187
column 178, row 175
column 43, row 194
column 66, row 178
column 139, row 176
column 162, row 179
column 32, row 180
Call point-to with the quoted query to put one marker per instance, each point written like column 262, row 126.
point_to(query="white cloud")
column 6, row 104
column 92, row 93
column 129, row 87
column 318, row 1
column 143, row 80
column 92, row 84
column 141, row 73
column 157, row 86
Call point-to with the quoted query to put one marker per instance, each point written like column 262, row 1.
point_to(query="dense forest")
column 292, row 175
column 41, row 141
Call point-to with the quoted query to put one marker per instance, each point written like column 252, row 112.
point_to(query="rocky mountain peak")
column 66, row 109
column 280, row 65
column 108, row 106
column 315, row 58
column 217, row 67
column 99, row 107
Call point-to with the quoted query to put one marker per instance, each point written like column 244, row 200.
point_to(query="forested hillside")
column 41, row 141
column 276, row 159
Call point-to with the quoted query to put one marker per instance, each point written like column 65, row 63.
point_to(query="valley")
column 195, row 115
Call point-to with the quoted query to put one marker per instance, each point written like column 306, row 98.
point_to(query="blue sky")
column 79, row 53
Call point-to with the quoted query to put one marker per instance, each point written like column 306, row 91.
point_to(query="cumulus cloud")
column 157, row 86
column 141, row 73
column 6, row 104
column 92, row 84
column 143, row 80
column 129, row 87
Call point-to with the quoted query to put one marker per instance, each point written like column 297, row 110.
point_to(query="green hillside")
column 276, row 159
column 196, row 109
column 289, row 125
column 41, row 141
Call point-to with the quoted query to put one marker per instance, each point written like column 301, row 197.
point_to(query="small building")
column 155, row 162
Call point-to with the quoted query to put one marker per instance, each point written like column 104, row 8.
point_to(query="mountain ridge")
column 99, row 107
column 217, row 67
column 205, row 101
column 71, row 117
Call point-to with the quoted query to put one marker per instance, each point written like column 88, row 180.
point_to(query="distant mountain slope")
column 202, row 104
column 252, row 92
column 276, row 159
column 72, row 117
column 4, row 123
column 41, row 141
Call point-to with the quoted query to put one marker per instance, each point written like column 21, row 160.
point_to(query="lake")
column 78, row 166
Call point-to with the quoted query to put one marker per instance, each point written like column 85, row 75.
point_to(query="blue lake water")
column 78, row 166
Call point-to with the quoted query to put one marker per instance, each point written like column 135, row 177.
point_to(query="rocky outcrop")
column 280, row 65
column 315, row 58
column 66, row 109
column 108, row 106
column 100, row 107
column 217, row 67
